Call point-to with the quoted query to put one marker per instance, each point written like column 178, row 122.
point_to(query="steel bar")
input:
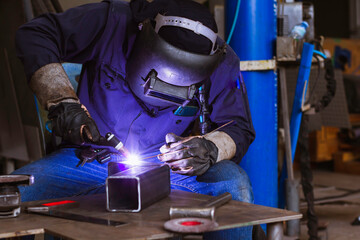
column 292, row 204
column 275, row 231
column 218, row 201
column 286, row 121
column 205, row 210
column 192, row 212
column 291, row 185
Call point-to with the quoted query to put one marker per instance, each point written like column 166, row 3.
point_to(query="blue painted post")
column 254, row 39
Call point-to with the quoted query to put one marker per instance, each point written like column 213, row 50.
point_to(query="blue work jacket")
column 101, row 36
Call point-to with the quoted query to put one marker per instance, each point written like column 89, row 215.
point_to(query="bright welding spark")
column 133, row 159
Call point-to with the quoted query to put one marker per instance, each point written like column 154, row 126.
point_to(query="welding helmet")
column 163, row 75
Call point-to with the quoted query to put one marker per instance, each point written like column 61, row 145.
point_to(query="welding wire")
column 158, row 155
column 220, row 127
column 148, row 157
column 186, row 148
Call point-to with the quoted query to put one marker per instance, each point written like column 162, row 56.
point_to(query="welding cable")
column 307, row 178
column 234, row 21
column 204, row 111
column 317, row 53
column 330, row 84
column 47, row 126
column 317, row 42
column 303, row 147
column 317, row 77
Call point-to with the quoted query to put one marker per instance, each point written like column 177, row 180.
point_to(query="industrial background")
column 327, row 142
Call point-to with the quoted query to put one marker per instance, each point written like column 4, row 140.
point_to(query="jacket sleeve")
column 228, row 101
column 69, row 36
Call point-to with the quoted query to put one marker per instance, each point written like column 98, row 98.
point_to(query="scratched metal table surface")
column 147, row 224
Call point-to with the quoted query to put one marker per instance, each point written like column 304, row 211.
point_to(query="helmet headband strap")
column 195, row 26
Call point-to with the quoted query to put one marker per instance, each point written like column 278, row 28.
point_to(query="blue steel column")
column 254, row 39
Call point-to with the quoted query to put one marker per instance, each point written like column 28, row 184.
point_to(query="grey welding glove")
column 70, row 119
column 189, row 155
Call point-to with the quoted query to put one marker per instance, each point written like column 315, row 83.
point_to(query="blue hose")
column 320, row 53
column 234, row 21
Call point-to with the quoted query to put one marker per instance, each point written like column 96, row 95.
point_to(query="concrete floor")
column 337, row 214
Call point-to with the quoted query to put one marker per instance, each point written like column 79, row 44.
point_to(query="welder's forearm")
column 51, row 86
column 225, row 144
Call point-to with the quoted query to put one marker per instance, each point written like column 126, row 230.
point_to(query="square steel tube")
column 135, row 188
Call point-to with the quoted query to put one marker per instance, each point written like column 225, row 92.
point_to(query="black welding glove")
column 73, row 123
column 188, row 156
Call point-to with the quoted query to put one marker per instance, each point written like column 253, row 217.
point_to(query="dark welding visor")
column 161, row 74
column 156, row 88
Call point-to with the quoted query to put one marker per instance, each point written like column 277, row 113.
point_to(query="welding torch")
column 113, row 141
column 103, row 155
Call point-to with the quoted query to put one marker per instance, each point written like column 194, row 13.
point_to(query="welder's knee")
column 228, row 176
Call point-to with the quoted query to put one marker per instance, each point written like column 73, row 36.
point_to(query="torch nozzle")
column 117, row 144
column 124, row 152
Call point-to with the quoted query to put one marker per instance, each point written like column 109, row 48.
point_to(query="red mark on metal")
column 191, row 223
column 57, row 203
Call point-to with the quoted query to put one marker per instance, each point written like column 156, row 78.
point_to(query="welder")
column 149, row 71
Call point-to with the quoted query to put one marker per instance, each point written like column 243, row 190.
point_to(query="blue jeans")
column 57, row 176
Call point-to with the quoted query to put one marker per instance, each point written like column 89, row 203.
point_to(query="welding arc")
column 187, row 148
